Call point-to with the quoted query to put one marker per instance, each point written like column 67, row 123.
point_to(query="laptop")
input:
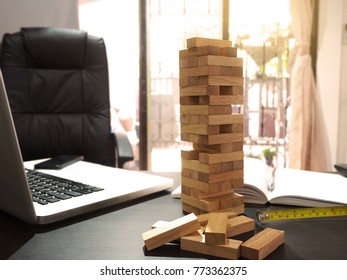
column 118, row 185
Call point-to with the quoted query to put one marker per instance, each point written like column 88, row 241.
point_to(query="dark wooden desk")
column 115, row 233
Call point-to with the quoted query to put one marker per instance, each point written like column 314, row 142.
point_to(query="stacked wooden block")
column 211, row 84
column 213, row 234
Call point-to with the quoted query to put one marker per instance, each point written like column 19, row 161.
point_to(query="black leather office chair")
column 58, row 88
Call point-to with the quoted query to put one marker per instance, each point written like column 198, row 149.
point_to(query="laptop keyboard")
column 47, row 189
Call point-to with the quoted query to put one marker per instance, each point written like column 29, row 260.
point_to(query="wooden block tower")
column 211, row 84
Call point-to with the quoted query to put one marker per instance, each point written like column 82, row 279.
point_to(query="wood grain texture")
column 238, row 225
column 171, row 231
column 216, row 229
column 262, row 244
column 230, row 251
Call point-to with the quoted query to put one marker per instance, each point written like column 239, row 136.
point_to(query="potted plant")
column 269, row 154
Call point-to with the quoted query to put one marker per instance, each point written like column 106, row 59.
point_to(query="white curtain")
column 306, row 139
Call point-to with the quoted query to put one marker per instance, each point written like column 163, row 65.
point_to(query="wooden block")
column 211, row 158
column 190, row 100
column 186, row 190
column 213, row 139
column 171, row 231
column 187, row 62
column 237, row 128
column 219, row 148
column 223, row 138
column 221, row 119
column 223, row 189
column 238, row 225
column 211, row 70
column 191, row 174
column 225, row 201
column 189, row 119
column 235, row 90
column 218, row 60
column 200, row 90
column 240, row 209
column 221, row 100
column 221, row 176
column 211, row 188
column 238, row 183
column 209, row 90
column 211, row 60
column 234, row 201
column 231, row 250
column 214, row 203
column 212, row 119
column 220, row 80
column 206, row 50
column 238, row 164
column 205, row 110
column 228, row 51
column 190, row 154
column 262, row 244
column 186, row 208
column 208, row 206
column 211, row 168
column 203, row 218
column 196, row 184
column 216, row 228
column 199, row 41
column 200, row 71
column 201, row 167
column 161, row 223
column 200, row 129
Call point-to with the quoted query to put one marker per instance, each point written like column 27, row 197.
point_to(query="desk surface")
column 115, row 233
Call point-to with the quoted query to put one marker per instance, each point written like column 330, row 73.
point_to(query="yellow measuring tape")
column 300, row 213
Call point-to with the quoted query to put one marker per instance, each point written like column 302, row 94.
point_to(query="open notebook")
column 289, row 186
column 118, row 185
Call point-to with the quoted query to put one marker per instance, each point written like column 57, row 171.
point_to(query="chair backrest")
column 58, row 89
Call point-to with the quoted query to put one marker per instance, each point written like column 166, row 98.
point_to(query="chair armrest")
column 124, row 149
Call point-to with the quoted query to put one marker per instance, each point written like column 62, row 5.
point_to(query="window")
column 260, row 30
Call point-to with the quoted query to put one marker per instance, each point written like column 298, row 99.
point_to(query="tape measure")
column 300, row 213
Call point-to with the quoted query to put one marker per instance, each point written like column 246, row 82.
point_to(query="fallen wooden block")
column 178, row 240
column 238, row 225
column 216, row 229
column 170, row 231
column 230, row 250
column 203, row 218
column 262, row 244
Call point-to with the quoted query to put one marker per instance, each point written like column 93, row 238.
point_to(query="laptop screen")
column 15, row 197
